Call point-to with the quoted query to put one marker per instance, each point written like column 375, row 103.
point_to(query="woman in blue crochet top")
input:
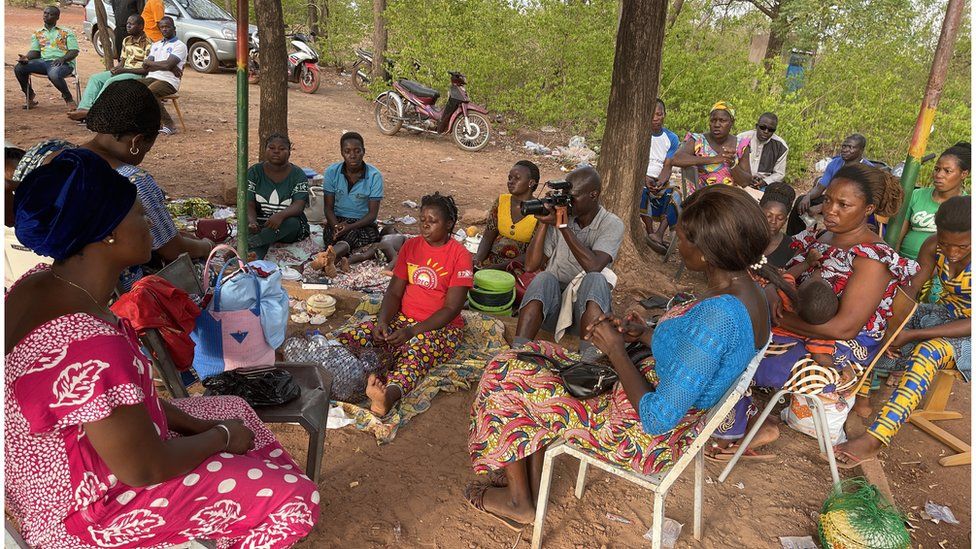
column 652, row 415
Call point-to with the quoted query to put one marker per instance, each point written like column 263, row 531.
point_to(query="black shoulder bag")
column 582, row 380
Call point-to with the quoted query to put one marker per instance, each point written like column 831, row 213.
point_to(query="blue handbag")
column 229, row 336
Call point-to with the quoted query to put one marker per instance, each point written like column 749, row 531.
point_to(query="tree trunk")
column 379, row 39
column 313, row 19
column 108, row 53
column 675, row 12
column 273, row 58
column 627, row 138
column 777, row 36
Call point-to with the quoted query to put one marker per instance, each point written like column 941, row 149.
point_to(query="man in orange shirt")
column 151, row 14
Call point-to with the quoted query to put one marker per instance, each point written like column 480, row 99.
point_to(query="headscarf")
column 723, row 106
column 75, row 200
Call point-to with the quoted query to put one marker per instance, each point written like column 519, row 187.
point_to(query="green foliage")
column 343, row 26
column 551, row 61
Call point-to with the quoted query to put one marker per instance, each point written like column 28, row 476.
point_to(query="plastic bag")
column 799, row 416
column 263, row 387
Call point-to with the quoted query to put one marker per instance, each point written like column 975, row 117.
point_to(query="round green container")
column 493, row 280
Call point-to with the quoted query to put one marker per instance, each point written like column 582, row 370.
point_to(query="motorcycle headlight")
column 229, row 34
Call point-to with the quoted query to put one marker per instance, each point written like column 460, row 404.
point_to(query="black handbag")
column 582, row 380
column 259, row 387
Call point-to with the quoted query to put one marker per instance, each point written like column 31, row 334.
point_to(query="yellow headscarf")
column 723, row 106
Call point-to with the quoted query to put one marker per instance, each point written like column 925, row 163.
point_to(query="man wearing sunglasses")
column 768, row 151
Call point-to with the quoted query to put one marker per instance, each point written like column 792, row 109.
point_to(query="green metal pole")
column 242, row 98
column 926, row 115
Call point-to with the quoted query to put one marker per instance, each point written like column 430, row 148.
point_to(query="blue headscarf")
column 75, row 200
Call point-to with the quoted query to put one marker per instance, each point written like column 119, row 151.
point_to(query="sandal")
column 724, row 455
column 657, row 245
column 474, row 495
column 854, row 461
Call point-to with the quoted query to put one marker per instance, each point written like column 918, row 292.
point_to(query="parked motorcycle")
column 411, row 105
column 362, row 70
column 303, row 62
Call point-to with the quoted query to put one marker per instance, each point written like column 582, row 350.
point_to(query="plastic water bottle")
column 317, row 341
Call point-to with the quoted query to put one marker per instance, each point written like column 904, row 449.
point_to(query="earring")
column 133, row 150
column 703, row 259
column 111, row 240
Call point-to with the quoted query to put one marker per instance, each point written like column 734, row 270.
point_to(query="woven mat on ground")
column 484, row 337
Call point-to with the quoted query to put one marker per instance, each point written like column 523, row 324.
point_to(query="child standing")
column 419, row 320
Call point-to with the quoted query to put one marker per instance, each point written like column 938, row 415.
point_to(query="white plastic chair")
column 902, row 307
column 659, row 483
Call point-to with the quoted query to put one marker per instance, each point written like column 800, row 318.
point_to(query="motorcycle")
column 362, row 70
column 411, row 105
column 303, row 62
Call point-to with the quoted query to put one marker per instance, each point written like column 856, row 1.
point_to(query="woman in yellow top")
column 508, row 232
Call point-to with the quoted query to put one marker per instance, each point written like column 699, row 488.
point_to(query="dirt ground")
column 416, row 482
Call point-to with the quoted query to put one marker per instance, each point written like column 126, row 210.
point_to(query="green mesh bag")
column 857, row 517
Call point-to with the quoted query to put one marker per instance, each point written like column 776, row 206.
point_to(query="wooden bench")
column 934, row 410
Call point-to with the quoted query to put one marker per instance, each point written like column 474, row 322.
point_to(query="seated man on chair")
column 576, row 255
column 52, row 52
column 165, row 68
column 135, row 47
column 935, row 338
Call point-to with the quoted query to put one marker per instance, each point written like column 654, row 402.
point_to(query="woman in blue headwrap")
column 94, row 456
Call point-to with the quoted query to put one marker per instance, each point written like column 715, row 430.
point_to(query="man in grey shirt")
column 589, row 243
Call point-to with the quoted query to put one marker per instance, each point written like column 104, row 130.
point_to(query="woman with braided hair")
column 419, row 320
column 125, row 119
column 863, row 272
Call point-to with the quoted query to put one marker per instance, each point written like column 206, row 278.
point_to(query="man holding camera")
column 575, row 250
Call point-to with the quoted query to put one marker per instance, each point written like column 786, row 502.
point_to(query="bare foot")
column 77, row 115
column 376, row 392
column 894, row 378
column 858, row 449
column 344, row 265
column 862, row 407
column 330, row 268
column 499, row 502
column 251, row 256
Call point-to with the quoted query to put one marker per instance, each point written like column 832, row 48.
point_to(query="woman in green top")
column 277, row 191
column 950, row 171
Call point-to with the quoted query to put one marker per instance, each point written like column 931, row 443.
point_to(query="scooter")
column 303, row 62
column 410, row 105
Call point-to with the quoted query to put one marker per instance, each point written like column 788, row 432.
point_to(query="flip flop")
column 855, row 461
column 724, row 455
column 655, row 302
column 474, row 495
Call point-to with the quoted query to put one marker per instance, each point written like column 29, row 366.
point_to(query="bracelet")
column 226, row 431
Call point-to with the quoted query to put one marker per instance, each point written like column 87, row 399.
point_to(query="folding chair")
column 935, row 410
column 310, row 409
column 659, row 483
column 902, row 308
column 74, row 75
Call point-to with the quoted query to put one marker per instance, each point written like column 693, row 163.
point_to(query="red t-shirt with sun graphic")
column 429, row 272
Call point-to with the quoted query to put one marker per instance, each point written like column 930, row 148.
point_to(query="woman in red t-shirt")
column 420, row 320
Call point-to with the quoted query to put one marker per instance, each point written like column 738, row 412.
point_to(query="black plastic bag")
column 262, row 387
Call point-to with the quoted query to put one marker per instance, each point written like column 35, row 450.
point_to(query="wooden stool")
column 175, row 99
column 934, row 410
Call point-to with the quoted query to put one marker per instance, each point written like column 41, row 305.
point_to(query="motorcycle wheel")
column 309, row 80
column 387, row 116
column 360, row 76
column 473, row 136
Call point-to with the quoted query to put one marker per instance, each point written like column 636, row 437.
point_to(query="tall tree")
column 379, row 38
column 623, row 153
column 273, row 58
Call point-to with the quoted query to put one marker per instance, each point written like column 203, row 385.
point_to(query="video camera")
column 558, row 197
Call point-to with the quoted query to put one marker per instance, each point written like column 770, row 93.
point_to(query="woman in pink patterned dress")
column 718, row 155
column 94, row 456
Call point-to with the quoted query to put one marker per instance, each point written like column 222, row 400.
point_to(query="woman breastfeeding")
column 646, row 422
column 508, row 232
column 420, row 318
column 863, row 271
column 94, row 456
